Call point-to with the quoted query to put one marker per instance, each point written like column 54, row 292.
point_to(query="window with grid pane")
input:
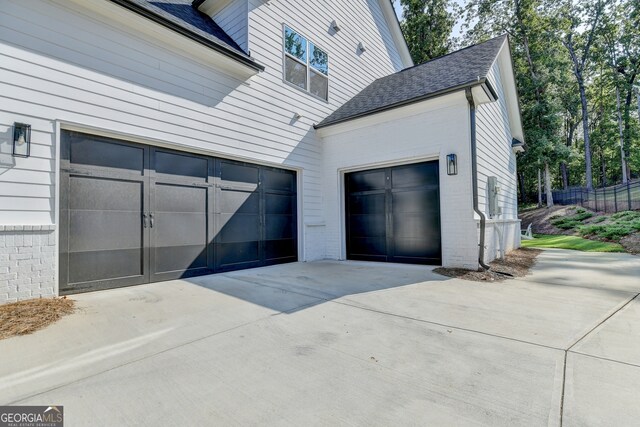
column 305, row 65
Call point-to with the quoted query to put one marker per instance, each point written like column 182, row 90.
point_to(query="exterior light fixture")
column 21, row 140
column 361, row 47
column 335, row 26
column 452, row 164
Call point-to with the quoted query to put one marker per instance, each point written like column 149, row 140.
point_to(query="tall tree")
column 573, row 16
column 427, row 26
column 535, row 60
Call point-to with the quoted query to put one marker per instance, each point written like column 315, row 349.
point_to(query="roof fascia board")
column 211, row 7
column 462, row 87
column 247, row 62
column 396, row 32
column 512, row 99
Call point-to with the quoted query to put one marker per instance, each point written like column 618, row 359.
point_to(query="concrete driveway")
column 345, row 343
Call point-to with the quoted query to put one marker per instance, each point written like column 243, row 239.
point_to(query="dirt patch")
column 517, row 263
column 631, row 243
column 540, row 219
column 25, row 317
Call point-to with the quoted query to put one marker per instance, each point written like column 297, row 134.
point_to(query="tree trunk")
column 622, row 156
column 565, row 175
column 547, row 185
column 521, row 184
column 639, row 103
column 539, row 188
column 585, row 129
column 604, row 169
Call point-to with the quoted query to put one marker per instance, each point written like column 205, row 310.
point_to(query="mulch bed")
column 25, row 317
column 517, row 263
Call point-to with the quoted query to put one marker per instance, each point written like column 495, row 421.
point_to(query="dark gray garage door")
column 132, row 214
column 393, row 214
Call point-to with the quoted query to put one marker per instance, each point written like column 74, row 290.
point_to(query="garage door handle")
column 144, row 220
column 151, row 220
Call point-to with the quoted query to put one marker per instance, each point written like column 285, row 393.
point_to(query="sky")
column 456, row 29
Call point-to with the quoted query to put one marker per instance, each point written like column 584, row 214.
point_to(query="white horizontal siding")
column 495, row 156
column 234, row 20
column 60, row 62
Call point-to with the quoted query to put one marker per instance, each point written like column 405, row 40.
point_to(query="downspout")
column 474, row 178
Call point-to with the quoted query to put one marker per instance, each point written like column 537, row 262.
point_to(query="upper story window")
column 305, row 64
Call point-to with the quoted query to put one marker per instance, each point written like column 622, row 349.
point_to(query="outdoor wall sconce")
column 452, row 164
column 361, row 47
column 335, row 26
column 21, row 140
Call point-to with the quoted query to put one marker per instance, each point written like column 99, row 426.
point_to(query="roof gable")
column 463, row 68
column 182, row 16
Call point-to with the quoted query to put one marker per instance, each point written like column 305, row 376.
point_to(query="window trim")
column 307, row 65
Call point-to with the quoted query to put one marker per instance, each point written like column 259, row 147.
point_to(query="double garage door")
column 133, row 214
column 393, row 214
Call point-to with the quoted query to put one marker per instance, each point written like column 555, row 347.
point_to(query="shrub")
column 566, row 223
column 599, row 219
column 581, row 216
column 626, row 215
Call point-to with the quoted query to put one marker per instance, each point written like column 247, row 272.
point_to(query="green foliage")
column 427, row 26
column 604, row 37
column 571, row 242
column 573, row 221
column 626, row 215
column 618, row 225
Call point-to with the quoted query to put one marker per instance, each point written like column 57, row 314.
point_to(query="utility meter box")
column 493, row 189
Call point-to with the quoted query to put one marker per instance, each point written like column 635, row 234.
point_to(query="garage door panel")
column 425, row 247
column 104, row 265
column 235, row 172
column 366, row 204
column 131, row 214
column 368, row 225
column 411, row 225
column 180, row 228
column 180, row 198
column 238, row 228
column 180, row 258
column 96, row 193
column 230, row 254
column 366, row 181
column 104, row 230
column 181, row 165
column 279, row 204
column 278, row 180
column 401, row 222
column 422, row 174
column 415, row 201
column 375, row 246
column 87, row 150
column 238, row 202
column 280, row 250
column 279, row 227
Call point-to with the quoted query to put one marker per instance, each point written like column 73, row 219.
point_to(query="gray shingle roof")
column 182, row 16
column 454, row 71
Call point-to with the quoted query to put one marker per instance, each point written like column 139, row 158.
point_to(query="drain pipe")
column 474, row 178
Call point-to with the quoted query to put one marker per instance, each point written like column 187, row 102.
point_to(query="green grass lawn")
column 571, row 242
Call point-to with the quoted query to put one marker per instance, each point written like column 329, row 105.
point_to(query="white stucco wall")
column 426, row 131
